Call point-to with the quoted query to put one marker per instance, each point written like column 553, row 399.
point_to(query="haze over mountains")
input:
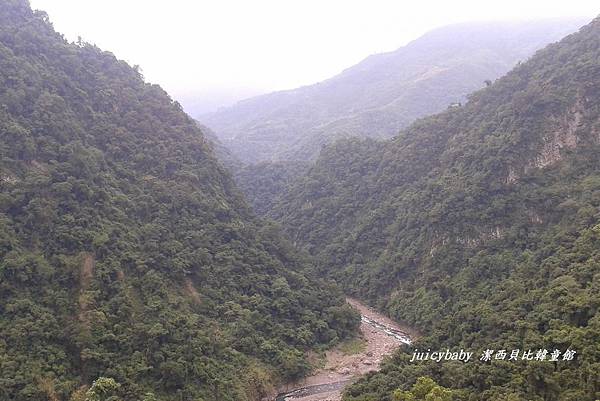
column 382, row 94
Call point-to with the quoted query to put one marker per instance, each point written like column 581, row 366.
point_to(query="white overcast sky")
column 249, row 46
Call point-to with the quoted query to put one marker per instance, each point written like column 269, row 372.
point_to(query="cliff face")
column 562, row 138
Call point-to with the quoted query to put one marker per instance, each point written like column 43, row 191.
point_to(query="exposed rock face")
column 8, row 179
column 512, row 176
column 561, row 135
column 481, row 236
column 564, row 137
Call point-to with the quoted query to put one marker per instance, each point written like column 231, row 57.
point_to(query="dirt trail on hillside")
column 382, row 337
column 86, row 274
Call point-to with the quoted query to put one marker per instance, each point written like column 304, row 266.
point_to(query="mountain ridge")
column 479, row 226
column 383, row 93
column 131, row 267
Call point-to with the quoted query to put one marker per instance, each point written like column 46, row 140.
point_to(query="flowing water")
column 376, row 329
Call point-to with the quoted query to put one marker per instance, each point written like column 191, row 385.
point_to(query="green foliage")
column 425, row 389
column 103, row 389
column 353, row 346
column 263, row 183
column 383, row 93
column 125, row 249
column 478, row 226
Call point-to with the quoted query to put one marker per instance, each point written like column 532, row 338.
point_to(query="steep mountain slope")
column 125, row 250
column 222, row 153
column 383, row 93
column 263, row 183
column 480, row 226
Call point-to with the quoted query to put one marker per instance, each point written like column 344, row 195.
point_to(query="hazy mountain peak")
column 384, row 92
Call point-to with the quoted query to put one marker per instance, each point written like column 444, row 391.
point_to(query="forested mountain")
column 222, row 153
column 383, row 93
column 480, row 226
column 127, row 256
column 263, row 183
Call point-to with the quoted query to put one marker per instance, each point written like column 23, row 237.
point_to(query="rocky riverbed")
column 381, row 336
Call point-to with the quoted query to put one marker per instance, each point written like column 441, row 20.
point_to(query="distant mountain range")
column 209, row 101
column 383, row 93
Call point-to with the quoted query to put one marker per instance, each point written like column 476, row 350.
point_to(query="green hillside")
column 263, row 183
column 126, row 252
column 480, row 226
column 384, row 92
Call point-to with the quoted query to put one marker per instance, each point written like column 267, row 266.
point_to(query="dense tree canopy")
column 480, row 226
column 263, row 183
column 127, row 257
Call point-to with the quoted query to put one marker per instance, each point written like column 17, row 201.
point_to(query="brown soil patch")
column 87, row 271
column 191, row 291
column 86, row 274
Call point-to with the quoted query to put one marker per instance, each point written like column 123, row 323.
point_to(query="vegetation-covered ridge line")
column 130, row 265
column 478, row 226
column 383, row 93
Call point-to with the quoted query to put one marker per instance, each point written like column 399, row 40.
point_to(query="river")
column 382, row 336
